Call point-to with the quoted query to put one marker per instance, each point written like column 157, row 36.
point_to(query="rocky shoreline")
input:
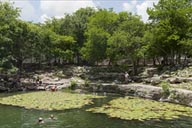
column 178, row 96
column 90, row 79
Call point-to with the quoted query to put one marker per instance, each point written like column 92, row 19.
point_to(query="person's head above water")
column 40, row 120
column 52, row 117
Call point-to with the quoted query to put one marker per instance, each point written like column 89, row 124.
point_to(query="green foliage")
column 8, row 18
column 48, row 100
column 73, row 84
column 116, row 46
column 172, row 20
column 75, row 25
column 130, row 108
column 90, row 35
column 101, row 25
column 62, row 46
column 95, row 48
column 165, row 86
column 87, row 83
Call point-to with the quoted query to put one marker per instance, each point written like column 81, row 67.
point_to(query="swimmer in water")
column 40, row 120
column 52, row 117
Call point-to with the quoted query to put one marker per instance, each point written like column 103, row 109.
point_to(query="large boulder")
column 152, row 71
column 141, row 90
column 175, row 80
column 3, row 89
column 155, row 80
column 180, row 96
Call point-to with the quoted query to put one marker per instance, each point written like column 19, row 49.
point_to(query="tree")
column 21, row 46
column 80, row 20
column 62, row 47
column 127, row 42
column 8, row 17
column 116, row 46
column 75, row 25
column 95, row 48
column 173, row 19
column 100, row 27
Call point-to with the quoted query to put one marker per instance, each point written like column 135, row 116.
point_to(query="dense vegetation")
column 90, row 36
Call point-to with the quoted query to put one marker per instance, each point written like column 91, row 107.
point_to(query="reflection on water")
column 15, row 117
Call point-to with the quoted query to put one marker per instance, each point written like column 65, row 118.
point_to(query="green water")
column 15, row 117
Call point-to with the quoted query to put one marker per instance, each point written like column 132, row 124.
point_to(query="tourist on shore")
column 126, row 77
column 54, row 88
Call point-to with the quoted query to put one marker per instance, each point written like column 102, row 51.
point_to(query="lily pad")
column 48, row 100
column 130, row 108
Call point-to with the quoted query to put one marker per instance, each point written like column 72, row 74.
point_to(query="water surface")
column 16, row 117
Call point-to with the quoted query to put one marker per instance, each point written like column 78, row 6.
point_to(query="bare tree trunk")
column 137, row 63
column 20, row 65
column 179, row 59
column 185, row 61
column 154, row 62
column 172, row 61
column 109, row 64
column 158, row 60
column 134, row 68
column 144, row 61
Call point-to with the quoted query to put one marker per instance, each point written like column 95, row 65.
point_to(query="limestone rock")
column 156, row 80
column 175, row 80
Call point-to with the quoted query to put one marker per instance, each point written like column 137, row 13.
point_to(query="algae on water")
column 130, row 108
column 48, row 100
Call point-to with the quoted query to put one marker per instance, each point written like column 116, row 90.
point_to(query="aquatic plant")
column 48, row 100
column 130, row 108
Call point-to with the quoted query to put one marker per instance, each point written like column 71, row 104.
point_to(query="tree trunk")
column 154, row 62
column 109, row 64
column 55, row 60
column 172, row 58
column 144, row 61
column 158, row 60
column 185, row 63
column 138, row 60
column 20, row 64
column 179, row 59
column 40, row 61
column 78, row 58
column 134, row 67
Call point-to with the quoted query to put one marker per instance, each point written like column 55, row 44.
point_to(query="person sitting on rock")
column 54, row 88
column 38, row 81
column 126, row 77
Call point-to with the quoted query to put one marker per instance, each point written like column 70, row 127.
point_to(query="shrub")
column 73, row 84
column 87, row 83
column 165, row 87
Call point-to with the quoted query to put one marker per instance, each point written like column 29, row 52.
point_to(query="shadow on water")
column 15, row 117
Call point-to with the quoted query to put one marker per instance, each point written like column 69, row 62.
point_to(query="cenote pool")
column 18, row 117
